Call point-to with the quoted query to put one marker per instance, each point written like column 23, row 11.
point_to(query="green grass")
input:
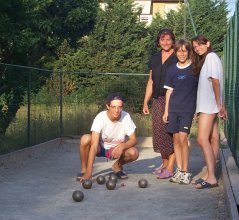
column 76, row 120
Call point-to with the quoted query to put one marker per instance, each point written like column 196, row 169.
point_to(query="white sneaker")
column 185, row 178
column 176, row 177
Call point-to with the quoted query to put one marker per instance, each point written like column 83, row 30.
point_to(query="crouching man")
column 112, row 136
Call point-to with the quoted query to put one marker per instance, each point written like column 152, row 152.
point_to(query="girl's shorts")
column 179, row 122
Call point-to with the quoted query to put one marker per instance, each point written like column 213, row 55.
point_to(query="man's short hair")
column 114, row 96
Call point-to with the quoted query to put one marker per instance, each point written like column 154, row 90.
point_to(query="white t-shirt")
column 113, row 133
column 212, row 68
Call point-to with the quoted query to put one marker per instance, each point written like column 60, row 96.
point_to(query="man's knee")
column 133, row 153
column 85, row 140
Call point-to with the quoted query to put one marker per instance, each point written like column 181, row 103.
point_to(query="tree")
column 12, row 14
column 118, row 43
column 153, row 30
column 31, row 33
column 118, row 40
column 32, row 30
column 209, row 17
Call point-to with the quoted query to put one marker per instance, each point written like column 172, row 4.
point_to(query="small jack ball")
column 143, row 183
column 87, row 184
column 100, row 179
column 78, row 196
column 110, row 185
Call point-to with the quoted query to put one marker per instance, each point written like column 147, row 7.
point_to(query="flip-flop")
column 79, row 175
column 165, row 174
column 206, row 185
column 197, row 181
column 121, row 174
column 158, row 170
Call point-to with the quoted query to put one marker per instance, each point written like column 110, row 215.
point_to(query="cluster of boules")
column 110, row 184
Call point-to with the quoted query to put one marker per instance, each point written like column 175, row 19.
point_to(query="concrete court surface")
column 37, row 184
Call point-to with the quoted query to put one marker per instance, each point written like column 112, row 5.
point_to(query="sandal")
column 165, row 174
column 158, row 170
column 79, row 175
column 121, row 174
column 200, row 180
column 206, row 185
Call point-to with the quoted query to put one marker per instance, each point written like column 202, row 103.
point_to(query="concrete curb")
column 230, row 197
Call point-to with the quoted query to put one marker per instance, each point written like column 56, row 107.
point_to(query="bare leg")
column 177, row 151
column 165, row 162
column 205, row 127
column 184, row 150
column 129, row 155
column 215, row 140
column 84, row 151
column 171, row 161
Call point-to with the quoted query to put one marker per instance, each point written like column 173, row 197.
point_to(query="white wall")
column 145, row 5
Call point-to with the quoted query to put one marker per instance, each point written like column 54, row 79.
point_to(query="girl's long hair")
column 197, row 60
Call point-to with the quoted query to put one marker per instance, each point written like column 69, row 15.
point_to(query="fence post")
column 60, row 102
column 29, row 109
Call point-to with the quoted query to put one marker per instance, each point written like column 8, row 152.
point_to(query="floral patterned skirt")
column 162, row 140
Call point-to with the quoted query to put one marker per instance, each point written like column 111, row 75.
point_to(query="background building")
column 152, row 7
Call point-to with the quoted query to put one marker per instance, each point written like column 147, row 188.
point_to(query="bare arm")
column 216, row 90
column 220, row 104
column 148, row 94
column 167, row 97
column 95, row 139
column 223, row 112
column 131, row 142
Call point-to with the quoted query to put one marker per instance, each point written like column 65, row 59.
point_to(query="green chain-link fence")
column 39, row 105
column 231, row 56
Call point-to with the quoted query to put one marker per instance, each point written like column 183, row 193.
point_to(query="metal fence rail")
column 231, row 56
column 42, row 104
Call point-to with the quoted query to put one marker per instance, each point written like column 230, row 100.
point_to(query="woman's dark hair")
column 163, row 32
column 197, row 60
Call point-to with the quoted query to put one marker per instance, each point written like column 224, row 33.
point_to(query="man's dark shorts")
column 179, row 122
column 105, row 153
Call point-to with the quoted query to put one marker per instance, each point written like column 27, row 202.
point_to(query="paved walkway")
column 37, row 184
